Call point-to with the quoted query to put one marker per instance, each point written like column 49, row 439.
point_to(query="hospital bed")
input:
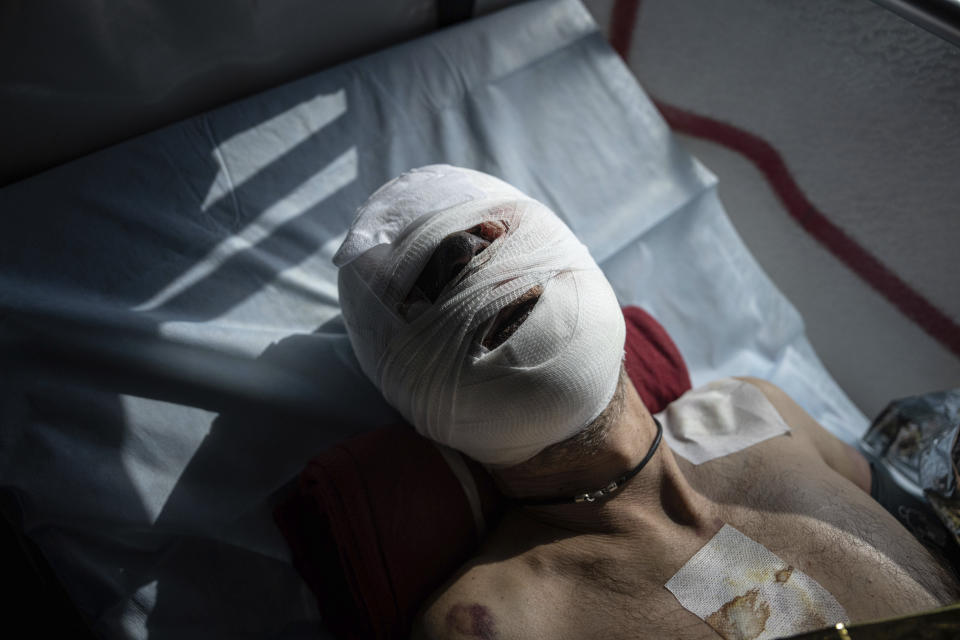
column 168, row 306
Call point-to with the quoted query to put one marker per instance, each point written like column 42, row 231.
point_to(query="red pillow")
column 653, row 362
column 379, row 521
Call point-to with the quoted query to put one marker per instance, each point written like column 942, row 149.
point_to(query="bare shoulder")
column 482, row 601
column 793, row 414
column 837, row 454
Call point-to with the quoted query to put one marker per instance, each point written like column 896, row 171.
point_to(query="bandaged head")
column 550, row 378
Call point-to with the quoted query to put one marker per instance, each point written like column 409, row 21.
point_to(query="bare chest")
column 817, row 521
column 810, row 518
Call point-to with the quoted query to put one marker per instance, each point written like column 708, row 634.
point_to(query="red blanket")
column 379, row 521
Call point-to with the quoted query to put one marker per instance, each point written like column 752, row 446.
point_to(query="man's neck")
column 657, row 496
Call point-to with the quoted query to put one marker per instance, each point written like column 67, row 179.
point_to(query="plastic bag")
column 918, row 436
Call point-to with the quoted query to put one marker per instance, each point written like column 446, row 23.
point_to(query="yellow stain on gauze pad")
column 744, row 591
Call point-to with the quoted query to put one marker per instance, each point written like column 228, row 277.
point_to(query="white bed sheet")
column 201, row 254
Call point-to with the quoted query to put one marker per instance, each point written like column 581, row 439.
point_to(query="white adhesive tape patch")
column 718, row 419
column 744, row 591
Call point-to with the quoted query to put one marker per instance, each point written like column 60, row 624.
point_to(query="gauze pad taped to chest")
column 744, row 591
column 548, row 380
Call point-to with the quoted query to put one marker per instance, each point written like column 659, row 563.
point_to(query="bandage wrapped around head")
column 551, row 377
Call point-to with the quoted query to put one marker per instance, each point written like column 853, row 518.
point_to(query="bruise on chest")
column 472, row 620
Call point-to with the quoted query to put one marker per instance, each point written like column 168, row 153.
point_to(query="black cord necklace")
column 599, row 494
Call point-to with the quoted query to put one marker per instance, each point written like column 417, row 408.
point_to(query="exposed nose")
column 448, row 259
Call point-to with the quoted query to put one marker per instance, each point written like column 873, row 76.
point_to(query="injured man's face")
column 479, row 314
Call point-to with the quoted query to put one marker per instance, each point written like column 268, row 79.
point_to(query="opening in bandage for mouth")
column 520, row 349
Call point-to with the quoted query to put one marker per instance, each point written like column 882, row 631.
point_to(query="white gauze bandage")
column 547, row 381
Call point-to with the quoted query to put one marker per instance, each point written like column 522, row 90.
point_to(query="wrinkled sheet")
column 190, row 269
